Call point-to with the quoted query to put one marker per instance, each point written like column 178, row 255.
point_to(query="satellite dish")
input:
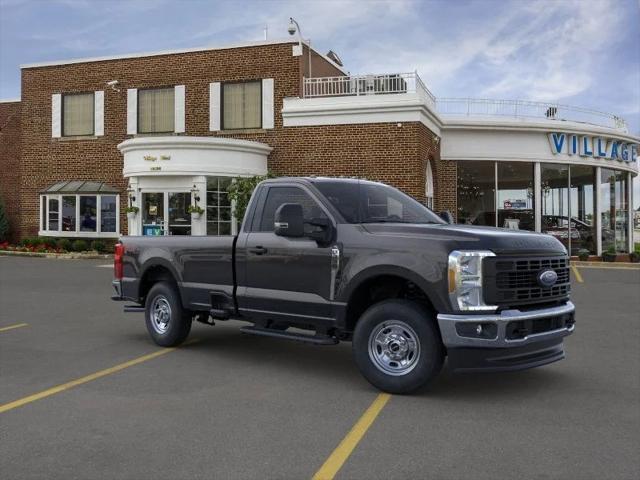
column 334, row 57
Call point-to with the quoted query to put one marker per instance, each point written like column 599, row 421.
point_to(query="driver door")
column 284, row 277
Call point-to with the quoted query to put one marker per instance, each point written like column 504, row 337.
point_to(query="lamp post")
column 293, row 28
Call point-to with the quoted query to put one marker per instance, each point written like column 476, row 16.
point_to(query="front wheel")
column 167, row 322
column 397, row 347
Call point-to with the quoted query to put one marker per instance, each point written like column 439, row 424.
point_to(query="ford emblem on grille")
column 547, row 278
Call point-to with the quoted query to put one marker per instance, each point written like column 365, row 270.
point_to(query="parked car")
column 352, row 260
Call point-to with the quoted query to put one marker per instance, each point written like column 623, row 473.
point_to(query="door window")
column 280, row 195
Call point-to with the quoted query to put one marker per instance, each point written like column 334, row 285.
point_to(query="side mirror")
column 446, row 216
column 289, row 220
column 323, row 233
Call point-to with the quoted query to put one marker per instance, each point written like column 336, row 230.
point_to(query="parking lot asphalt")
column 236, row 406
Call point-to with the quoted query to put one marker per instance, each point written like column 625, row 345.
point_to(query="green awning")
column 80, row 186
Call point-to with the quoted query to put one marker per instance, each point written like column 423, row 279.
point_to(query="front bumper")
column 508, row 340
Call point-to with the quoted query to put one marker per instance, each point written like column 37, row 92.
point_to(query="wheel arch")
column 380, row 283
column 154, row 272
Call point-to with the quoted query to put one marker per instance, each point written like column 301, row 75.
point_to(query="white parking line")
column 110, row 265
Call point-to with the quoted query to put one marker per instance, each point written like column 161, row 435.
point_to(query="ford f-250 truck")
column 353, row 260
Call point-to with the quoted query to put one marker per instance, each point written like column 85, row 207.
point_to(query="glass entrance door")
column 179, row 218
column 153, row 214
column 165, row 213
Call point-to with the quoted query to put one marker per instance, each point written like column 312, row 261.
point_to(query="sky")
column 577, row 52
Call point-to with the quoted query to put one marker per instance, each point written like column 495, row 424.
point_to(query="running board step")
column 299, row 337
column 133, row 309
column 219, row 314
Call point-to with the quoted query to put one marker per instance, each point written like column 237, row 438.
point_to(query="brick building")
column 163, row 131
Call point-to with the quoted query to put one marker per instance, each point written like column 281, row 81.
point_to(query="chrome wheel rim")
column 160, row 314
column 394, row 348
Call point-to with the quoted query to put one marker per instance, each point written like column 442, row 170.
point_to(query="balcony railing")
column 526, row 109
column 357, row 85
column 399, row 83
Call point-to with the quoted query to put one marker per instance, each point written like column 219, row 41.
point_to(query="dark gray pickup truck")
column 321, row 260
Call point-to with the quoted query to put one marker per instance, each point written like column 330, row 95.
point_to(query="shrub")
column 98, row 246
column 79, row 246
column 64, row 244
column 28, row 241
column 46, row 242
column 583, row 254
column 4, row 223
column 240, row 192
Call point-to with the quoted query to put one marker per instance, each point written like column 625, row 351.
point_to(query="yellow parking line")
column 340, row 455
column 576, row 274
column 74, row 383
column 11, row 327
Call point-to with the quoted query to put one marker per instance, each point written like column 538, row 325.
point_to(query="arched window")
column 429, row 185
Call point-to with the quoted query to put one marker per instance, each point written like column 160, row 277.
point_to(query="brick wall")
column 385, row 152
column 10, row 161
column 47, row 160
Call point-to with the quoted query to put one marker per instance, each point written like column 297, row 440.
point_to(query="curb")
column 61, row 256
column 607, row 265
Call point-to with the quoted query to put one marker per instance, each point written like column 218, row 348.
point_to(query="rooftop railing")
column 527, row 109
column 358, row 85
column 399, row 83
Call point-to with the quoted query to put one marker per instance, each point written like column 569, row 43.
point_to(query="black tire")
column 406, row 328
column 176, row 330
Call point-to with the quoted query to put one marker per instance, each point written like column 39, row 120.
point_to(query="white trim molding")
column 175, row 52
column 391, row 108
column 186, row 155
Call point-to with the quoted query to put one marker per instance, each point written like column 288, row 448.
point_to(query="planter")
column 634, row 257
column 609, row 257
column 196, row 215
column 131, row 215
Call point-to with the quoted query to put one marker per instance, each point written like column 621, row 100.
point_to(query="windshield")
column 366, row 202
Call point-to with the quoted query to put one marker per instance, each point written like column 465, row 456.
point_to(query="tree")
column 240, row 192
column 4, row 223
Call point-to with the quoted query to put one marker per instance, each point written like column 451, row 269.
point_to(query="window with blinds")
column 156, row 110
column 241, row 105
column 77, row 114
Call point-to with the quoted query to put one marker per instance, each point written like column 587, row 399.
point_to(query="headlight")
column 465, row 280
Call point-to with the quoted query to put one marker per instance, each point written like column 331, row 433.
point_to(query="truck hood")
column 471, row 237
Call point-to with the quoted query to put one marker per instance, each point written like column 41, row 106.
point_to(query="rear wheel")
column 397, row 347
column 167, row 321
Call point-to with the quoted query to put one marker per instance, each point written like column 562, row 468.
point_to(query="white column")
column 598, row 213
column 134, row 223
column 630, row 211
column 199, row 225
column 537, row 196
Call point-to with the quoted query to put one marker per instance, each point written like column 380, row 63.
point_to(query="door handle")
column 259, row 250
